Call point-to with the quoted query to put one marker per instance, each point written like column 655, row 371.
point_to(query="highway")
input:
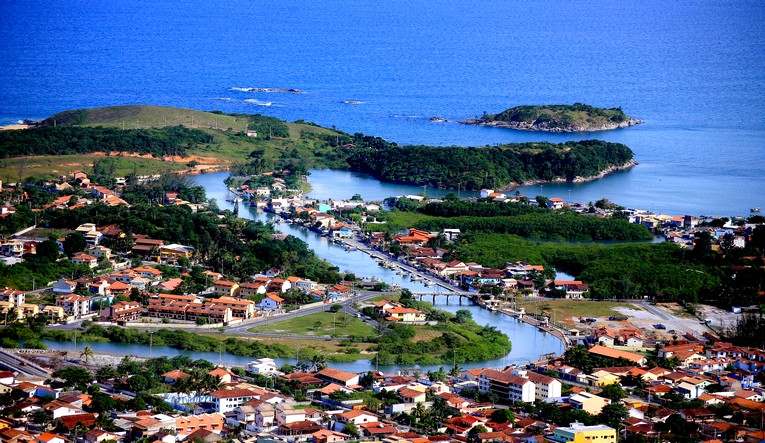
column 13, row 362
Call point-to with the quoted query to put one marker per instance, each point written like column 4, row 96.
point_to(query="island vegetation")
column 578, row 117
column 494, row 167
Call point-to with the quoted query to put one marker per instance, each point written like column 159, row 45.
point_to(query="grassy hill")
column 146, row 116
column 28, row 152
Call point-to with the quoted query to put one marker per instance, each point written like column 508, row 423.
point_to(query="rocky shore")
column 588, row 178
column 537, row 126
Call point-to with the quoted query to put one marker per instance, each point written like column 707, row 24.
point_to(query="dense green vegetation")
column 548, row 225
column 457, row 338
column 574, row 117
column 48, row 140
column 239, row 247
column 494, row 167
column 509, row 218
column 663, row 270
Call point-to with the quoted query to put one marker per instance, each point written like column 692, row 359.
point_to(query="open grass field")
column 48, row 167
column 569, row 311
column 334, row 350
column 319, row 324
column 143, row 116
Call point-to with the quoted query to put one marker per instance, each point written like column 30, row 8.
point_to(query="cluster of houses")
column 107, row 298
column 333, row 410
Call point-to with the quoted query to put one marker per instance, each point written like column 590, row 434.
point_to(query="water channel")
column 528, row 343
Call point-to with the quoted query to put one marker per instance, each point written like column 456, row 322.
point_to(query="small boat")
column 428, row 283
column 754, row 210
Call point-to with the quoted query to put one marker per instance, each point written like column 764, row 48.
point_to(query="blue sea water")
column 694, row 70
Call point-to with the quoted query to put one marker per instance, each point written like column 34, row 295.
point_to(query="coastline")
column 578, row 179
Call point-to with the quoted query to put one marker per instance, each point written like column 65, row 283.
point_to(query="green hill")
column 558, row 118
column 145, row 116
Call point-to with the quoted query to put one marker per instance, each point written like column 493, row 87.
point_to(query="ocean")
column 693, row 70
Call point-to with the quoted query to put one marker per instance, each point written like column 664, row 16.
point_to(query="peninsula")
column 156, row 139
column 557, row 118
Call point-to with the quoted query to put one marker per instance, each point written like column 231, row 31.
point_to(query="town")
column 619, row 378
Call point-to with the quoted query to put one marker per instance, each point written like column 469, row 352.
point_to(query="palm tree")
column 419, row 411
column 319, row 362
column 86, row 353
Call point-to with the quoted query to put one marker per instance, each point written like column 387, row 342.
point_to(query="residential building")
column 64, row 286
column 262, row 366
column 14, row 297
column 122, row 312
column 271, row 302
column 173, row 252
column 74, row 305
column 603, row 351
column 82, row 258
column 338, row 376
column 185, row 425
column 507, row 386
column 226, row 288
column 226, row 400
column 588, row 402
column 579, row 433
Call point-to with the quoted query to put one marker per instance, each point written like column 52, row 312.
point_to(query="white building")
column 262, row 366
column 507, row 386
column 226, row 400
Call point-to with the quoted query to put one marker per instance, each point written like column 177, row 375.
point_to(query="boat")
column 754, row 210
column 428, row 283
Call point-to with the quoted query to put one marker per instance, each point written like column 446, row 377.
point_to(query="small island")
column 557, row 118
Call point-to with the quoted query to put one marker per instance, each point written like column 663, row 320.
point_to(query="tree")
column 74, row 243
column 74, row 376
column 47, row 250
column 613, row 414
column 351, row 429
column 86, row 353
column 614, row 391
column 503, row 416
column 335, row 308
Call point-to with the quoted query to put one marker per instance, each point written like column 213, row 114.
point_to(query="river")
column 528, row 343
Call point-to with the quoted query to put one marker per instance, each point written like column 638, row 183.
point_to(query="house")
column 82, row 258
column 555, row 203
column 226, row 288
column 226, row 400
column 252, row 288
column 262, row 366
column 338, row 376
column 173, row 376
column 328, row 436
column 507, row 386
column 185, row 425
column 357, row 417
column 12, row 296
column 240, row 309
column 100, row 251
column 399, row 313
column 588, row 402
column 225, row 376
column 579, row 433
column 122, row 312
column 173, row 252
column 55, row 314
column 47, row 437
column 603, row 351
column 271, row 302
column 574, row 289
column 409, row 395
column 64, row 286
column 74, row 305
column 544, row 386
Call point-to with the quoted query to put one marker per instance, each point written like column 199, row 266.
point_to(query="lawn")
column 51, row 166
column 319, row 324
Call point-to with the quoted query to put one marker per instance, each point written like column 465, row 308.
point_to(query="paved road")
column 242, row 329
column 15, row 363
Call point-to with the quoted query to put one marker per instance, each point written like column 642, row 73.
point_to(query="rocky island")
column 557, row 118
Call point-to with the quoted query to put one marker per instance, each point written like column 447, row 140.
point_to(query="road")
column 15, row 363
column 361, row 296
